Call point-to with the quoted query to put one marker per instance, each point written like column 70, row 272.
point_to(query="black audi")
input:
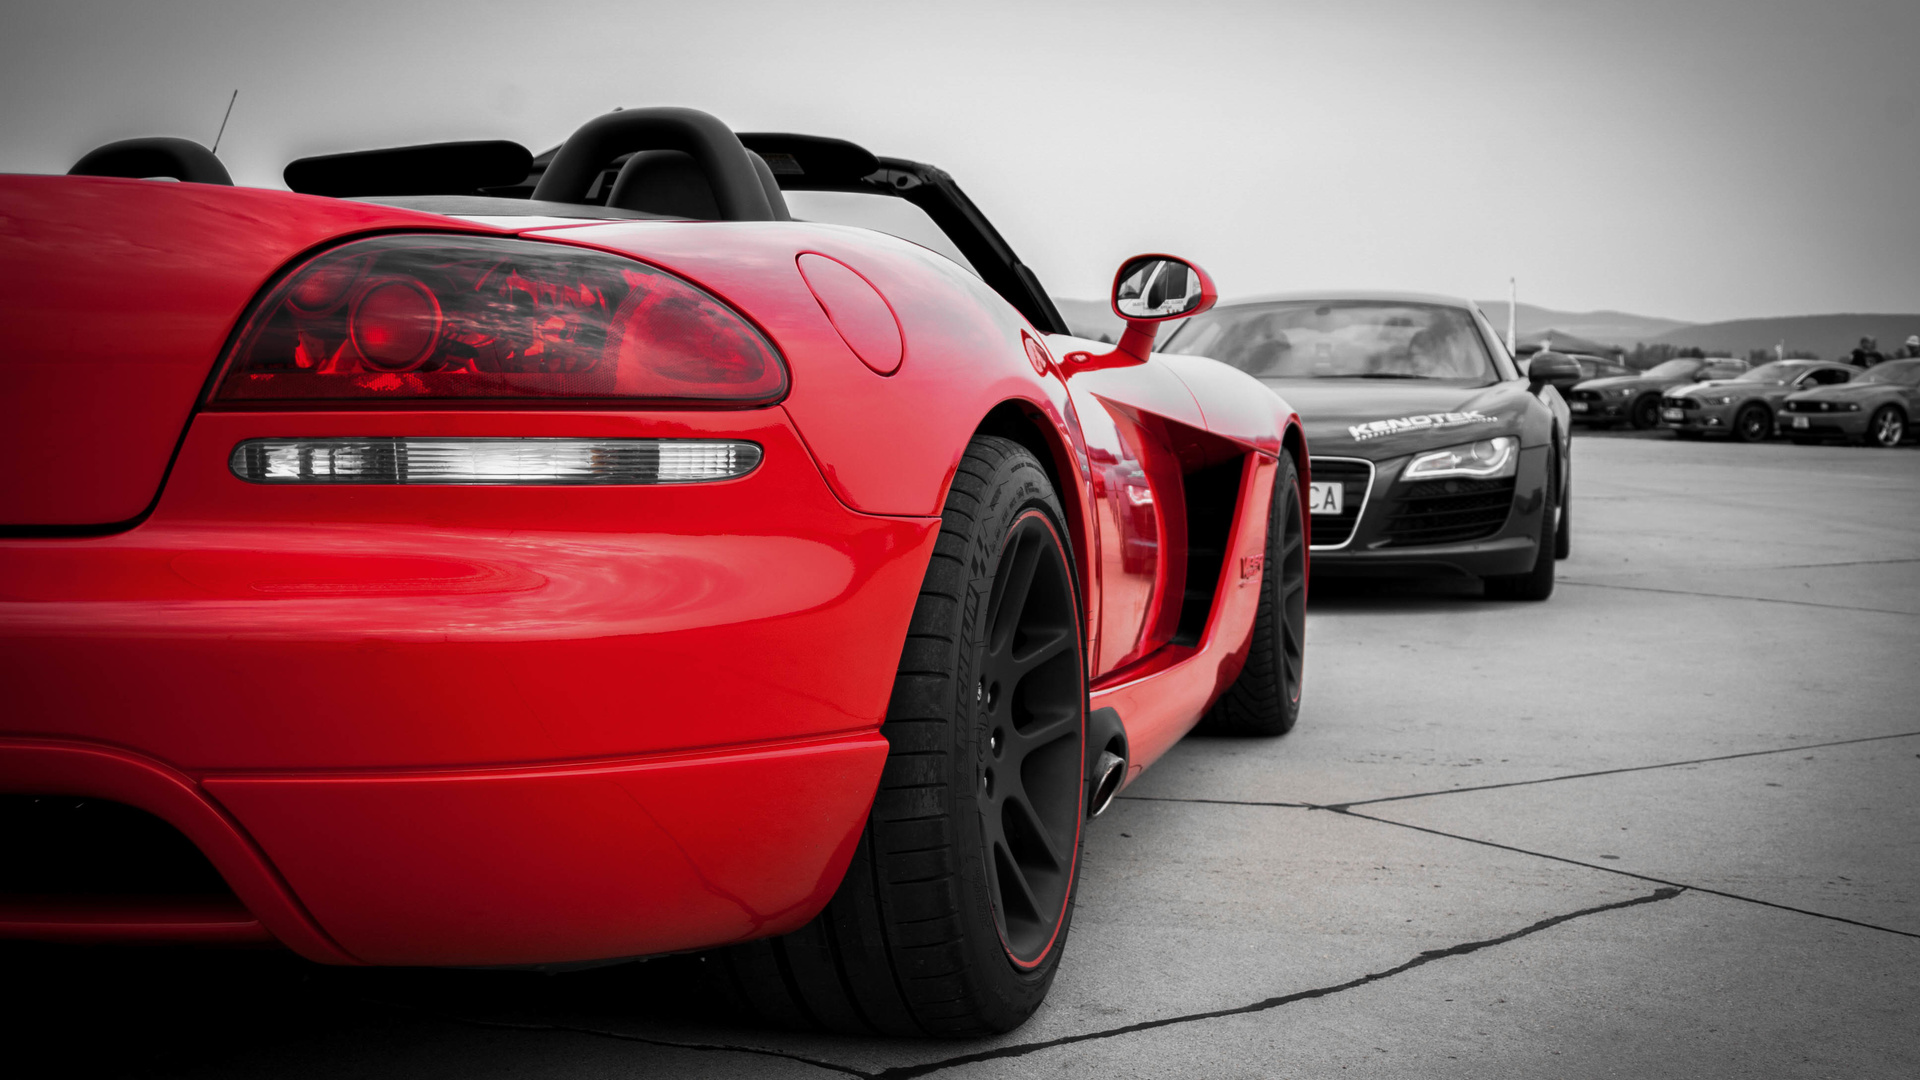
column 1431, row 452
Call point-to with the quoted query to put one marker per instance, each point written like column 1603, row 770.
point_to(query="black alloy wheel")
column 953, row 914
column 1032, row 698
column 1887, row 428
column 1752, row 424
column 1265, row 698
column 1646, row 412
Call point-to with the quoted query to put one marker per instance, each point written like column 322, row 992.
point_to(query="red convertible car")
column 469, row 559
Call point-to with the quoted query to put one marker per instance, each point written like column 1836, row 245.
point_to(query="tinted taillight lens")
column 402, row 318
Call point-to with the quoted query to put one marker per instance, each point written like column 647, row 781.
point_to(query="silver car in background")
column 1743, row 408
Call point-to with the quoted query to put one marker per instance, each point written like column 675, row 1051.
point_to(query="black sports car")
column 1430, row 451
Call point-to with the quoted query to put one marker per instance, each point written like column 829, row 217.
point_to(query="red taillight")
column 422, row 317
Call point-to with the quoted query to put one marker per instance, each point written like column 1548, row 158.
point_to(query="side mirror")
column 1548, row 367
column 1150, row 290
column 1155, row 288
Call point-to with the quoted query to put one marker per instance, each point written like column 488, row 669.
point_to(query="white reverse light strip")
column 382, row 460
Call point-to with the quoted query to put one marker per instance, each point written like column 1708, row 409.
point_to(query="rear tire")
column 953, row 914
column 1535, row 584
column 1265, row 699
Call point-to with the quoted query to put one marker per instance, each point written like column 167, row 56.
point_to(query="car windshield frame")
column 1258, row 338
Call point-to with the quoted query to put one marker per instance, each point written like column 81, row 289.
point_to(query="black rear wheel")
column 953, row 914
column 1265, row 699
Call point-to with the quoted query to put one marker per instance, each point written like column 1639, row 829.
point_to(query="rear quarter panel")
column 119, row 297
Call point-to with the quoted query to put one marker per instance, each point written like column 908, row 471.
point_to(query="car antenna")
column 223, row 121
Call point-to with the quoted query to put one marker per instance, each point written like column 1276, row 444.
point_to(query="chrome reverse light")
column 383, row 460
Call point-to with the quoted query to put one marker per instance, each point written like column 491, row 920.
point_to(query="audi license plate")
column 1799, row 421
column 1672, row 414
column 1578, row 406
column 1326, row 498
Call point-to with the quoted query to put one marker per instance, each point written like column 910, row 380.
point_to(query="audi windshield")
column 1341, row 340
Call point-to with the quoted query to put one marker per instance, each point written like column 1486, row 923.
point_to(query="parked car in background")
column 1743, row 407
column 1876, row 407
column 1586, row 367
column 1635, row 399
column 1431, row 453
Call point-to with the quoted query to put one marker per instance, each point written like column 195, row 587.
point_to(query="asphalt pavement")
column 1665, row 824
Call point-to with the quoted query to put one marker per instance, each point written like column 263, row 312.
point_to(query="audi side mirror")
column 1546, row 368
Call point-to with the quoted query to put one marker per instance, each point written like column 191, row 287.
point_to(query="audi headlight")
column 1484, row 460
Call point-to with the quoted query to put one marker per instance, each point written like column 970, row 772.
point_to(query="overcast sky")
column 1696, row 159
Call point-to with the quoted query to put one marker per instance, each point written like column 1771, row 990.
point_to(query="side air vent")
column 1212, row 494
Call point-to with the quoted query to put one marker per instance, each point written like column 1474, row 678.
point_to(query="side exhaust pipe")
column 1106, row 759
column 1109, row 770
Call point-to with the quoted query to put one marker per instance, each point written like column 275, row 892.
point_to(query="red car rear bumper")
column 511, row 866
column 467, row 725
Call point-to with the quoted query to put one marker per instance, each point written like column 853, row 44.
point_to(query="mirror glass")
column 1155, row 288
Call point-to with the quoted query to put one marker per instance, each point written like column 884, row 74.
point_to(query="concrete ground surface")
column 1664, row 824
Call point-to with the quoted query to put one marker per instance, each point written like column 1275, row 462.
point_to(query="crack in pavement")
column 1824, row 565
column 906, row 1072
column 1626, row 873
column 1342, row 806
column 1215, row 802
column 1610, row 772
column 1730, row 596
column 1346, row 809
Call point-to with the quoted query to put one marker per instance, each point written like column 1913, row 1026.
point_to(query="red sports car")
column 472, row 559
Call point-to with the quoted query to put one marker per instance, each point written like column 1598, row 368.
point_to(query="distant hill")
column 1094, row 318
column 1828, row 335
column 1090, row 318
column 1611, row 327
